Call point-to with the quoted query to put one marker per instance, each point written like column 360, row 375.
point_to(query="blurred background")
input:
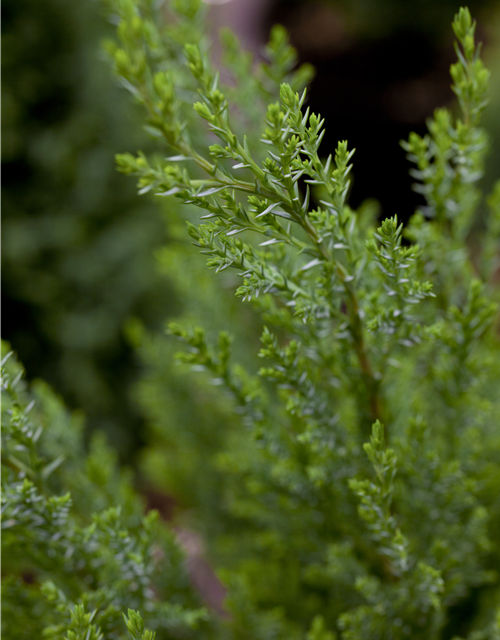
column 80, row 247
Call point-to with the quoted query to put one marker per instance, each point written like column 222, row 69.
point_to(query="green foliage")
column 74, row 562
column 362, row 326
column 78, row 242
column 348, row 488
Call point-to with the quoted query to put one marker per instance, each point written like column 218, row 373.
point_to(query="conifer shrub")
column 78, row 552
column 347, row 487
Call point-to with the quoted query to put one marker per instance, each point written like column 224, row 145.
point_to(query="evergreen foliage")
column 77, row 550
column 78, row 242
column 348, row 488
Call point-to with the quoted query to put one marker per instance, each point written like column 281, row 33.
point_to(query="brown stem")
column 371, row 382
column 370, row 379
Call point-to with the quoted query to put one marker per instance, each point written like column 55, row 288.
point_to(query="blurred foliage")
column 491, row 116
column 78, row 244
